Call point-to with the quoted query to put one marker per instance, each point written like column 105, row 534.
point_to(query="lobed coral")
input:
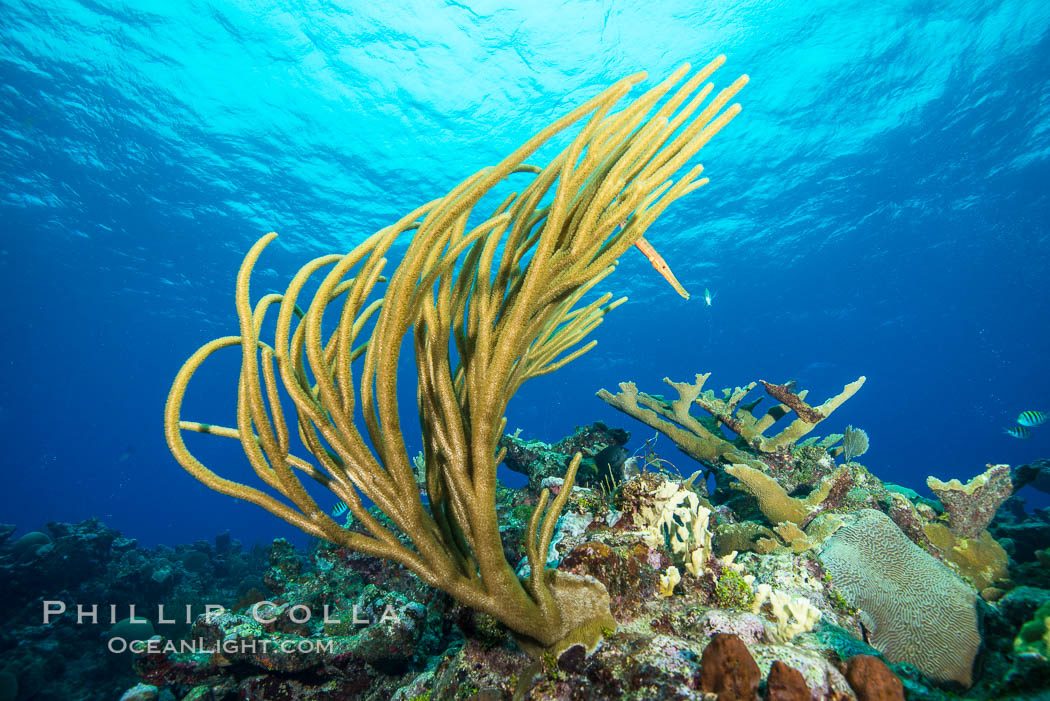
column 669, row 513
column 963, row 543
column 778, row 507
column 669, row 580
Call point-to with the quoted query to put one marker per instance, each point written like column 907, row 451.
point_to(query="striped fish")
column 339, row 509
column 1019, row 432
column 1032, row 418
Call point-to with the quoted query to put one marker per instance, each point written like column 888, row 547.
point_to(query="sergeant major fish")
column 1032, row 418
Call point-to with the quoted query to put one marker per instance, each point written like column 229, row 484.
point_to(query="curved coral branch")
column 509, row 296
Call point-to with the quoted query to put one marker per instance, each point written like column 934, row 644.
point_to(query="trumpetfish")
column 661, row 265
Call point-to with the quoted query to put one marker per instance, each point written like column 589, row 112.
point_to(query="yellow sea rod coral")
column 486, row 308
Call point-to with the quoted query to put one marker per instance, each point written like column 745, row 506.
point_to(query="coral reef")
column 88, row 562
column 903, row 512
column 1034, row 636
column 601, row 447
column 791, row 622
column 981, row 560
column 962, row 543
column 1021, row 533
column 661, row 648
column 1031, row 667
column 743, row 537
column 1035, row 474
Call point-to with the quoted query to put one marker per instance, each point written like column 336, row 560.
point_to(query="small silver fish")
column 709, row 296
column 1032, row 418
column 1018, row 432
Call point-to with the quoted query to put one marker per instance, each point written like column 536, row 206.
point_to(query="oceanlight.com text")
column 155, row 646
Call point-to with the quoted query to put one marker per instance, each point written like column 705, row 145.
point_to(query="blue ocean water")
column 879, row 208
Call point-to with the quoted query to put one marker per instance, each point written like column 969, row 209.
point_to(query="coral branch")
column 704, row 440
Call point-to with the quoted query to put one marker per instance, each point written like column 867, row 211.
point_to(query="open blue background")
column 879, row 208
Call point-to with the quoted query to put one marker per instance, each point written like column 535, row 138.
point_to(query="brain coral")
column 923, row 613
